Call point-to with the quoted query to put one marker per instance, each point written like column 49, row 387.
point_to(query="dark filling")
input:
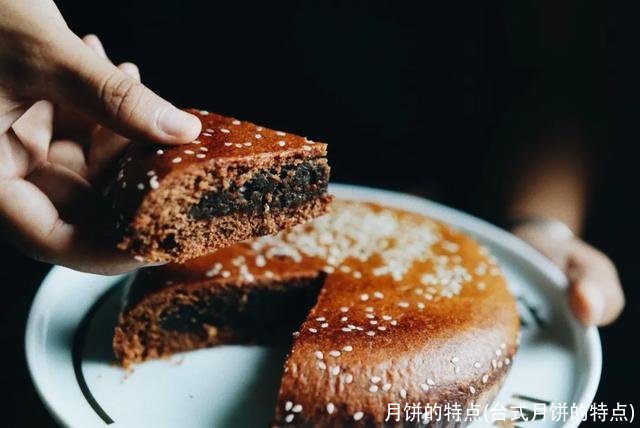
column 285, row 187
column 243, row 314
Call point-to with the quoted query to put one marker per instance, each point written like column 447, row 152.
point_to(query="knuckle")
column 120, row 95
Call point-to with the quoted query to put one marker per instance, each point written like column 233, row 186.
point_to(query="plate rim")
column 482, row 228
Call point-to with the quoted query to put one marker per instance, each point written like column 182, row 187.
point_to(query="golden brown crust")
column 411, row 310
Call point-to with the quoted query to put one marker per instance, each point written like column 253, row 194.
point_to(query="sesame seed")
column 288, row 405
column 140, row 186
column 313, row 330
column 382, row 328
column 472, row 389
column 485, row 378
column 324, row 325
column 318, row 355
column 260, row 260
column 289, row 418
column 248, row 144
column 430, row 382
column 321, row 365
column 476, row 365
column 346, row 329
column 386, row 318
column 203, row 149
column 370, row 316
column 281, row 143
column 344, row 309
column 177, row 159
column 159, row 152
column 348, row 348
column 393, row 322
column 297, row 408
column 424, row 386
column 403, row 393
column 371, row 333
column 153, row 182
column 238, row 145
column 280, row 133
column 358, row 415
column 201, row 156
column 226, row 274
column 368, row 309
column 335, row 370
column 306, row 148
column 224, row 130
column 403, row 304
column 357, row 274
column 373, row 322
column 373, row 388
column 378, row 295
column 375, row 379
column 334, row 353
column 364, row 297
column 348, row 378
column 228, row 144
column 386, row 387
column 235, row 122
column 258, row 136
column 330, row 408
column 507, row 361
column 344, row 319
column 321, row 319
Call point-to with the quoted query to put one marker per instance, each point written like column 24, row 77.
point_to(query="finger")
column 89, row 83
column 95, row 44
column 31, row 221
column 70, row 124
column 595, row 292
column 69, row 154
column 106, row 145
column 34, row 130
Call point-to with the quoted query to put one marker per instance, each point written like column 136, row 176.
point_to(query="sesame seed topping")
column 289, row 418
column 335, row 370
column 424, row 386
column 430, row 382
column 321, row 319
column 258, row 136
column 318, row 355
column 382, row 328
column 334, row 353
column 378, row 295
column 313, row 330
column 159, row 152
column 375, row 379
column 485, row 378
column 281, row 143
column 364, row 297
column 204, row 112
column 476, row 365
column 224, row 130
column 235, row 122
column 330, row 408
column 280, row 133
column 201, row 156
column 153, row 182
column 373, row 388
column 177, row 159
column 507, row 361
column 348, row 378
column 386, row 387
column 288, row 405
column 306, row 148
column 324, row 325
column 228, row 143
column 403, row 393
column 403, row 304
column 189, row 152
column 358, row 415
column 472, row 389
column 297, row 408
column 203, row 149
column 238, row 145
column 140, row 186
column 321, row 365
column 344, row 309
column 371, row 333
column 347, row 348
column 247, row 144
column 344, row 319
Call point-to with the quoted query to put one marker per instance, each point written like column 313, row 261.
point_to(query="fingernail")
column 179, row 124
column 595, row 301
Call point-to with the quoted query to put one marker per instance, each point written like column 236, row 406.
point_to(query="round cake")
column 408, row 310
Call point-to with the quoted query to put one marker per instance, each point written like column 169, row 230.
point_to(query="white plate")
column 68, row 346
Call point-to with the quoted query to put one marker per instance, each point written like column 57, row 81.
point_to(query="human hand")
column 60, row 99
column 595, row 293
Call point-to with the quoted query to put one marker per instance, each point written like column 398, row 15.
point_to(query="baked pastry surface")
column 388, row 306
column 237, row 181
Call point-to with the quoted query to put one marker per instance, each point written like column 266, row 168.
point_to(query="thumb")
column 90, row 84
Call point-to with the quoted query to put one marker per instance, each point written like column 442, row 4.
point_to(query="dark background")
column 428, row 100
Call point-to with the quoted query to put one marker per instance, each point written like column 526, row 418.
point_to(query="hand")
column 595, row 293
column 63, row 109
